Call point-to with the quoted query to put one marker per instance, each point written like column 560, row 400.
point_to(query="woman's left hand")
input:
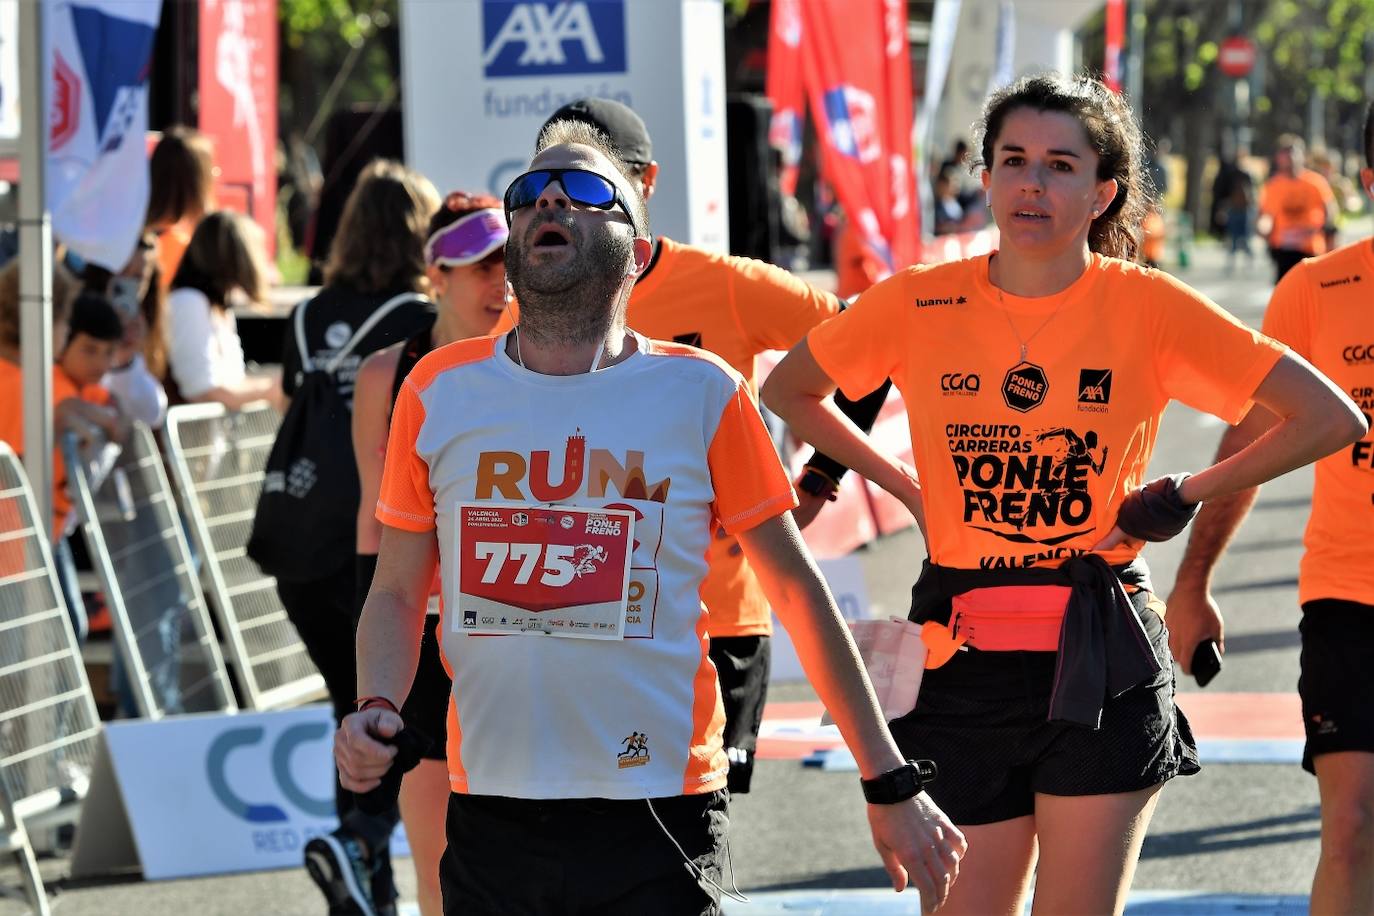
column 1116, row 538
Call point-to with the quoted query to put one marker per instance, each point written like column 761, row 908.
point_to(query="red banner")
column 785, row 88
column 238, row 103
column 1115, row 36
column 856, row 69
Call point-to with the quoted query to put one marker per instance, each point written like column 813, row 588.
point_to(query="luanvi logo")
column 691, row 338
column 1343, row 281
column 946, row 300
column 1094, row 389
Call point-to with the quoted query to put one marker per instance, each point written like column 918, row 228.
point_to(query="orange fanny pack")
column 1010, row 618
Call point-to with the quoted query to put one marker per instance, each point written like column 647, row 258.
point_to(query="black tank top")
column 412, row 352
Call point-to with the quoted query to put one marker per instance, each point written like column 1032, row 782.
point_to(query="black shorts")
column 510, row 856
column 982, row 717
column 742, row 664
column 426, row 706
column 1337, row 677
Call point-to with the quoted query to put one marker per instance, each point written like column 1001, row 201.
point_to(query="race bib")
column 559, row 571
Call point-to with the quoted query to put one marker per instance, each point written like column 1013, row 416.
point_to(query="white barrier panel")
column 208, row 793
column 847, row 583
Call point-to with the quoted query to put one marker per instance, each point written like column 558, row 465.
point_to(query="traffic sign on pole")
column 1236, row 56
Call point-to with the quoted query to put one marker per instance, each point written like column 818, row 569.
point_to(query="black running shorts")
column 426, row 706
column 516, row 856
column 1337, row 677
column 982, row 717
column 742, row 664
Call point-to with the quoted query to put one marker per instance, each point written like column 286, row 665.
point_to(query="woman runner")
column 1035, row 379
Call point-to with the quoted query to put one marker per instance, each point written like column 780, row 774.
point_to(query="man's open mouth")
column 552, row 236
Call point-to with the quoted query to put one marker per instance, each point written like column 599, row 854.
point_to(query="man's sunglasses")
column 581, row 186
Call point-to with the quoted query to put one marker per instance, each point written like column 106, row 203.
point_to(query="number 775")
column 558, row 567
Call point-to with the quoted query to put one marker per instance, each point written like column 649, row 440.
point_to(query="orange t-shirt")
column 1025, row 461
column 736, row 308
column 12, row 424
column 171, row 245
column 1321, row 309
column 1298, row 209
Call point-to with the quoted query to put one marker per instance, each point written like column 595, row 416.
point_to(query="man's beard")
column 575, row 301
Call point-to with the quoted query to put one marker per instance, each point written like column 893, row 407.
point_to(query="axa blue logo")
column 547, row 37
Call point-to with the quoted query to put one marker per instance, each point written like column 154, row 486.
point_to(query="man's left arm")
column 917, row 842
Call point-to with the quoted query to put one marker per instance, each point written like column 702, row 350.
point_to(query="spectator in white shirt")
column 205, row 358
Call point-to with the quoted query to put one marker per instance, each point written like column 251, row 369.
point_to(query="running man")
column 661, row 443
column 1322, row 310
column 737, row 308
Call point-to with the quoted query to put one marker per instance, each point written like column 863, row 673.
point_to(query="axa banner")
column 216, row 793
column 519, row 61
column 98, row 54
column 857, row 73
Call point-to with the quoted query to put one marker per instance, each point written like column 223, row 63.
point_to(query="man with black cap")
column 736, row 308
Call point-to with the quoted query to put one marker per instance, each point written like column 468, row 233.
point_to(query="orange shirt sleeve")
column 863, row 345
column 747, row 476
column 1204, row 356
column 774, row 308
column 406, row 500
column 1289, row 315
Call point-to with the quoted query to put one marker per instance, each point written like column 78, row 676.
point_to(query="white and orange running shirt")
column 1025, row 460
column 1322, row 309
column 671, row 434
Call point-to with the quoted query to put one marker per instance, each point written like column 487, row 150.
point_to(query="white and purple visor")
column 467, row 240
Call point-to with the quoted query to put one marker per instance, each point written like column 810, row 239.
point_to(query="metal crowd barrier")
column 172, row 662
column 49, row 727
column 217, row 459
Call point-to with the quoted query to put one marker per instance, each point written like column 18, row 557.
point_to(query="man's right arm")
column 1192, row 613
column 388, row 646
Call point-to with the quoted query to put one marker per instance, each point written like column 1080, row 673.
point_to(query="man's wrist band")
column 364, row 703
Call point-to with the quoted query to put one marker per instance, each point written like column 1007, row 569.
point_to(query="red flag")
column 1116, row 33
column 857, row 71
column 784, row 88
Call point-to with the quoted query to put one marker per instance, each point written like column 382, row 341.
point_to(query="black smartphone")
column 1206, row 662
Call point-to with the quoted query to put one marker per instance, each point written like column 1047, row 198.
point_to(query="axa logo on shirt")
column 545, row 37
column 1094, row 389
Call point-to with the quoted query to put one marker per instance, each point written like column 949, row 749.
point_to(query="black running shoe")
column 336, row 863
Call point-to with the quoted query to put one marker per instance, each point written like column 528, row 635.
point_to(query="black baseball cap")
column 625, row 128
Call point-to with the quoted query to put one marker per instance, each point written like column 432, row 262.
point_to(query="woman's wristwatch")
column 906, row 781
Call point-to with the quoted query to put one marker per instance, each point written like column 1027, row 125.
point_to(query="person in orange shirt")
column 1321, row 310
column 736, row 308
column 1031, row 445
column 1295, row 207
column 181, row 184
column 77, row 407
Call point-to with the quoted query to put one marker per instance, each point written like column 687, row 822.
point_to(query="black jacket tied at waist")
column 1103, row 648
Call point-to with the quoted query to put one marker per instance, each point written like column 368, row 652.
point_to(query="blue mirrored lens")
column 588, row 188
column 526, row 189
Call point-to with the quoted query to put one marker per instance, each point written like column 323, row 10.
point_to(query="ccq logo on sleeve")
column 546, row 37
